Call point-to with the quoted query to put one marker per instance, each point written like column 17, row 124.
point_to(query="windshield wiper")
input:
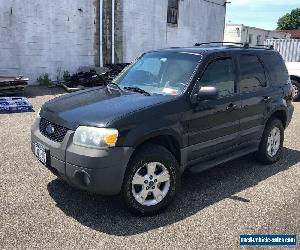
column 138, row 90
column 114, row 84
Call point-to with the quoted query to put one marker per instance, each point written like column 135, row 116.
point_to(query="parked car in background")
column 170, row 111
column 294, row 71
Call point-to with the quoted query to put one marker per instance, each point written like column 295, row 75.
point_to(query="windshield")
column 165, row 73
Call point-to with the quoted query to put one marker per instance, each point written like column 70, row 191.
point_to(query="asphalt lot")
column 38, row 211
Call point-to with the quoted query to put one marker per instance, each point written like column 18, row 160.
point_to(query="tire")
column 265, row 154
column 296, row 86
column 139, row 170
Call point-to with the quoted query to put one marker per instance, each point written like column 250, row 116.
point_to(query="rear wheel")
column 296, row 89
column 271, row 144
column 151, row 181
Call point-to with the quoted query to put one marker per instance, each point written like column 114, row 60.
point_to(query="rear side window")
column 276, row 68
column 252, row 73
column 220, row 74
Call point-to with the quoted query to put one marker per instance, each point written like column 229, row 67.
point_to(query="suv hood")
column 96, row 107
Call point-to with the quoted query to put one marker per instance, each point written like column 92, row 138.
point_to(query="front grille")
column 59, row 132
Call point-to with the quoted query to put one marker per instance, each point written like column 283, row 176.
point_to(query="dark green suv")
column 171, row 110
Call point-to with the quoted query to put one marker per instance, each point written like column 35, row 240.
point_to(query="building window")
column 250, row 38
column 258, row 42
column 172, row 12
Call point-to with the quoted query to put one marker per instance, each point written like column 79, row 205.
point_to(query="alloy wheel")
column 295, row 90
column 151, row 184
column 274, row 141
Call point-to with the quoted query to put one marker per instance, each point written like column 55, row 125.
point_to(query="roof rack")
column 230, row 43
column 234, row 44
column 265, row 46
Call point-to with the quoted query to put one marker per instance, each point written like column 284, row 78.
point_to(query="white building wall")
column 241, row 34
column 233, row 34
column 41, row 36
column 145, row 25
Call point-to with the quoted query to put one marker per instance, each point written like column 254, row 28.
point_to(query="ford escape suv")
column 171, row 110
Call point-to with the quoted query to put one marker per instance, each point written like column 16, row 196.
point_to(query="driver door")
column 214, row 124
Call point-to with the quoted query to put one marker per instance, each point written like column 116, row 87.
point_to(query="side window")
column 220, row 74
column 252, row 73
column 276, row 67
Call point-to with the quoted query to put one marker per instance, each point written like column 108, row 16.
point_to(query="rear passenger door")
column 255, row 97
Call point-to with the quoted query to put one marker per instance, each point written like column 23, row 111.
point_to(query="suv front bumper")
column 98, row 171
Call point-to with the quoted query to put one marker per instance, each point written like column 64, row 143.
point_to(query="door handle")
column 267, row 99
column 231, row 107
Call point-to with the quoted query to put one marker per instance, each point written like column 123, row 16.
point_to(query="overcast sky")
column 259, row 13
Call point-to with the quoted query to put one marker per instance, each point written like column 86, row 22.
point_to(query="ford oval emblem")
column 50, row 129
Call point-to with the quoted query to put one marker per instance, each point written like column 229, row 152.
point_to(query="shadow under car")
column 106, row 214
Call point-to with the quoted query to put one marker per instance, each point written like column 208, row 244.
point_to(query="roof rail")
column 223, row 43
column 265, row 46
column 234, row 44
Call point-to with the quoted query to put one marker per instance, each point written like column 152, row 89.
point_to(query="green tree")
column 290, row 21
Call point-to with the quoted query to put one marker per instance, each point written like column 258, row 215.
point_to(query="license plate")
column 40, row 153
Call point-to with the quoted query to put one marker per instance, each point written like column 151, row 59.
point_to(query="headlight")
column 95, row 137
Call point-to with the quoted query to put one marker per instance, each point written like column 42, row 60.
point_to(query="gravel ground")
column 39, row 211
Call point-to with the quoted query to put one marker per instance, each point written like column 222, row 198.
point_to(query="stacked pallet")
column 12, row 85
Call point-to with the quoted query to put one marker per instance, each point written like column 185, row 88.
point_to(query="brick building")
column 295, row 34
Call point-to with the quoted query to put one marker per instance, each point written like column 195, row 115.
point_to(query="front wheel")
column 151, row 180
column 271, row 144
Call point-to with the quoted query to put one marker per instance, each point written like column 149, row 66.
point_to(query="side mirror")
column 205, row 93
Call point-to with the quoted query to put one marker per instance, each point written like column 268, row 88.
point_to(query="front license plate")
column 40, row 153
